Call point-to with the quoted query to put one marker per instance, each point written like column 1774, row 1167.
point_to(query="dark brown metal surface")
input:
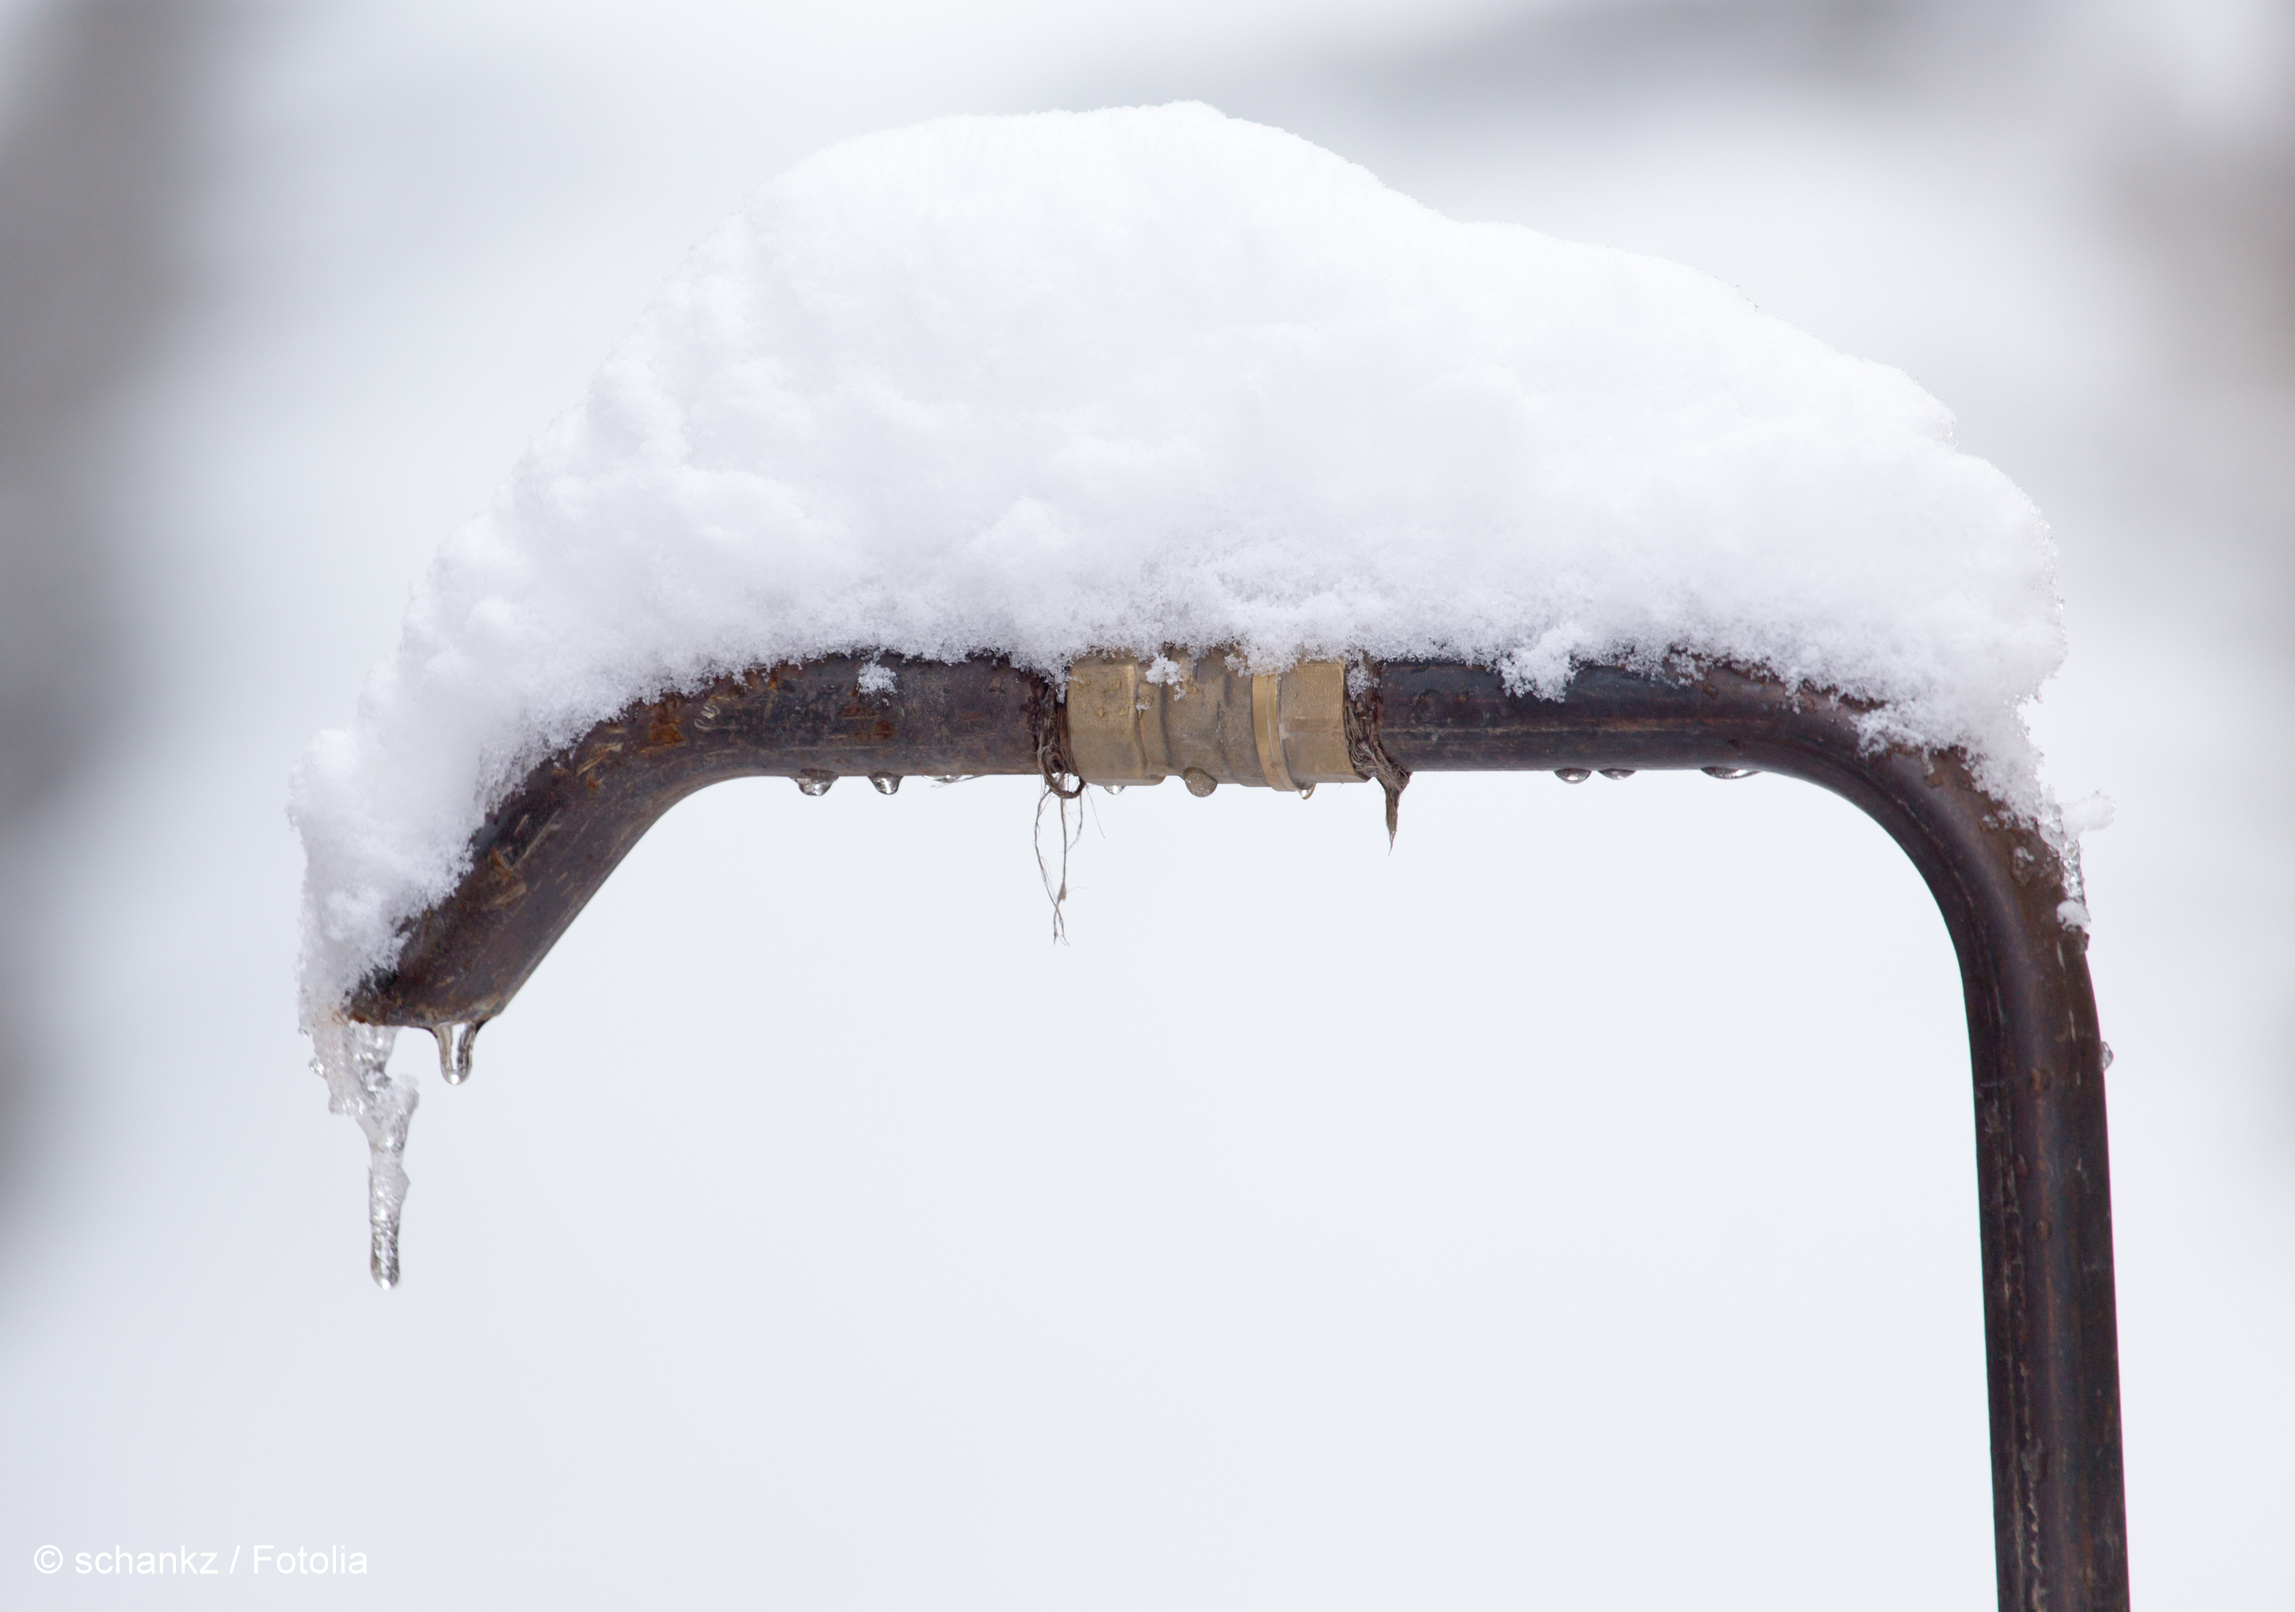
column 546, row 850
column 2051, row 1333
column 2042, row 1168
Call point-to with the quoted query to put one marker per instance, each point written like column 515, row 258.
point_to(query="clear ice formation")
column 454, row 1050
column 354, row 1060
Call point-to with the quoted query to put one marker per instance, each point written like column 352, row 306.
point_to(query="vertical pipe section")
column 2043, row 1174
column 2042, row 1166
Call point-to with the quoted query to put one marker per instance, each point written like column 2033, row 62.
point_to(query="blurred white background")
column 1574, row 1208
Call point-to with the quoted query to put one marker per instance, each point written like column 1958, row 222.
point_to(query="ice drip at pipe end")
column 354, row 1060
column 386, row 1192
column 454, row 1049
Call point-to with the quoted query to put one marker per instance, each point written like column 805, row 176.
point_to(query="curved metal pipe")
column 2042, row 1165
column 546, row 849
column 2043, row 1177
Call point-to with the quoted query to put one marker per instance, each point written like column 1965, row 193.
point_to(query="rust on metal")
column 1363, row 746
column 2043, row 1169
column 544, row 852
column 662, row 728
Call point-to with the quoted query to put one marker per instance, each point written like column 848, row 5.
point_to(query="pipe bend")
column 2042, row 1165
column 545, row 850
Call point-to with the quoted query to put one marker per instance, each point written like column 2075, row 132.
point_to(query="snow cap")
column 1132, row 379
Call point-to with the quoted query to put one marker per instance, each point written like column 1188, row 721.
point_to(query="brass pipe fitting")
column 1209, row 725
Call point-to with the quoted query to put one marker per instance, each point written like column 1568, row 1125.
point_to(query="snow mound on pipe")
column 1127, row 379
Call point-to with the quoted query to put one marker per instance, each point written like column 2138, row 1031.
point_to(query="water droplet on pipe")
column 454, row 1049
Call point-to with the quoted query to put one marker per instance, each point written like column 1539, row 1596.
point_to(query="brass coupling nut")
column 1209, row 724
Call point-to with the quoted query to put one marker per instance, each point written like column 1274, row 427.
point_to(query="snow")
column 2088, row 814
column 1148, row 379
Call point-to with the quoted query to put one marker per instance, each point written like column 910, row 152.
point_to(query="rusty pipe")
column 549, row 846
column 2043, row 1172
column 2042, row 1162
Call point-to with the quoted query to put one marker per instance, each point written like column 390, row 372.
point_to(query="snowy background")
column 1575, row 1208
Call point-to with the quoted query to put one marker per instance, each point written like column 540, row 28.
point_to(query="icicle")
column 354, row 1060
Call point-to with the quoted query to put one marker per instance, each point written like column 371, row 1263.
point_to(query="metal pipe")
column 2042, row 1167
column 542, row 853
column 1207, row 722
column 2051, row 1332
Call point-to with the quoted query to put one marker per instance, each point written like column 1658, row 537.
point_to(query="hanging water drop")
column 1620, row 773
column 1113, row 789
column 814, row 782
column 2106, row 1061
column 454, row 1049
column 1726, row 774
column 885, row 783
column 1199, row 783
column 1573, row 775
